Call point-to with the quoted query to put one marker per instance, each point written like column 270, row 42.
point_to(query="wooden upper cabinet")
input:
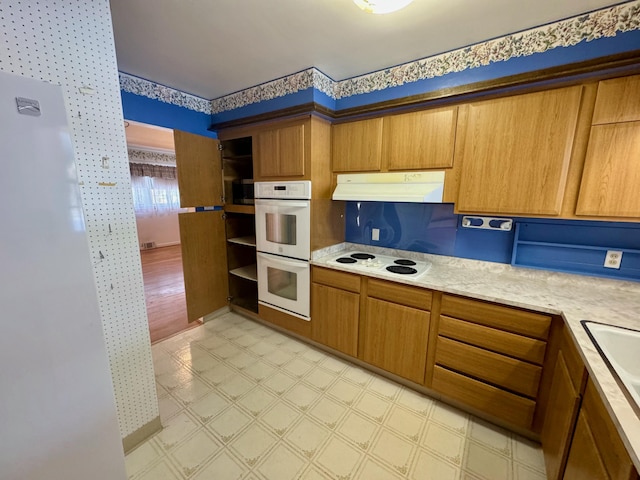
column 280, row 152
column 420, row 140
column 515, row 152
column 409, row 141
column 357, row 146
column 618, row 100
column 199, row 168
column 611, row 174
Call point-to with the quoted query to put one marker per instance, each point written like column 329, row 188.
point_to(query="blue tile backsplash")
column 434, row 228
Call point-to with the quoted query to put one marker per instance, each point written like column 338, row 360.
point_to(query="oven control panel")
column 294, row 190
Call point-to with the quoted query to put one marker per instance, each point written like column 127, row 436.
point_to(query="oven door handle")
column 282, row 203
column 290, row 263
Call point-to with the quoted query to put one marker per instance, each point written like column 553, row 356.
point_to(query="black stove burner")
column 402, row 270
column 362, row 256
column 405, row 262
column 346, row 260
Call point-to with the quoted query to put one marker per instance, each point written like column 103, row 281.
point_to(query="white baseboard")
column 168, row 244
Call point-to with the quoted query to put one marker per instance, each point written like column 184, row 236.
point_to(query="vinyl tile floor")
column 239, row 400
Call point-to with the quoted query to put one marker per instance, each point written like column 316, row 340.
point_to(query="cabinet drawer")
column 488, row 338
column 512, row 408
column 512, row 374
column 509, row 319
column 401, row 294
column 332, row 278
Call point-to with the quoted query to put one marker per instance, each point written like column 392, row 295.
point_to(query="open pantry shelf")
column 249, row 272
column 249, row 240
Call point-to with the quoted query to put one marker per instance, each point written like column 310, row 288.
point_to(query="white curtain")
column 154, row 196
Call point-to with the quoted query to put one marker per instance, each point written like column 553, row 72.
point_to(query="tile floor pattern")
column 239, row 400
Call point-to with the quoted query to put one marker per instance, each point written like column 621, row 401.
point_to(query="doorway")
column 156, row 202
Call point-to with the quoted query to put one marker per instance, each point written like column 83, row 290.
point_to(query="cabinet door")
column 280, row 152
column 395, row 338
column 266, row 153
column 420, row 140
column 611, row 175
column 585, row 462
column 199, row 168
column 357, row 146
column 515, row 152
column 334, row 318
column 618, row 100
column 562, row 411
column 204, row 261
column 291, row 151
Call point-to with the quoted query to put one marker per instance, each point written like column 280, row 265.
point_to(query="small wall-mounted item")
column 488, row 223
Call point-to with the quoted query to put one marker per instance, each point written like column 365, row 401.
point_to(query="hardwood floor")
column 164, row 292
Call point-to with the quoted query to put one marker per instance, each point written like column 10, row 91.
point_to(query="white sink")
column 621, row 349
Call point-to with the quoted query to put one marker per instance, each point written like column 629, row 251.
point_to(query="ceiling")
column 211, row 48
column 149, row 137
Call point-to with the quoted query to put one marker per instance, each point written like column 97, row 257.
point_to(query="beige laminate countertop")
column 575, row 297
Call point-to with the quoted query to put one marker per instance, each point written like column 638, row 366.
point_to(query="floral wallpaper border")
column 156, row 91
column 599, row 24
column 602, row 23
column 152, row 158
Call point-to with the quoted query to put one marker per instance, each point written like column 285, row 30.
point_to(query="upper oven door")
column 283, row 227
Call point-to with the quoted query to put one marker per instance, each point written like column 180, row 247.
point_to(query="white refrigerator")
column 57, row 409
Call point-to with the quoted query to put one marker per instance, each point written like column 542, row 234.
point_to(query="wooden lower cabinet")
column 597, row 452
column 335, row 314
column 494, row 359
column 395, row 338
column 562, row 412
column 335, row 309
column 491, row 357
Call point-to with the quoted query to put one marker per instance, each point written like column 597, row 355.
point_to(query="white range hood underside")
column 415, row 187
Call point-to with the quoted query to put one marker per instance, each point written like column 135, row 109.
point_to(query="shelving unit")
column 237, row 162
column 563, row 249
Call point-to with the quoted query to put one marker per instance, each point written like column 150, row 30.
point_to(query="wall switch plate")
column 375, row 234
column 613, row 259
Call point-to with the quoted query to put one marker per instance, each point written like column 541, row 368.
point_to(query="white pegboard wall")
column 70, row 43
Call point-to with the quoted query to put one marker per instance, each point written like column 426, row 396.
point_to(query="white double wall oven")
column 283, row 225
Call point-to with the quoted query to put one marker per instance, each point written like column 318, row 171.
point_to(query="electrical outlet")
column 375, row 234
column 613, row 259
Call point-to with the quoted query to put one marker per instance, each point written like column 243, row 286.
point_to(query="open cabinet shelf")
column 237, row 208
column 249, row 241
column 249, row 272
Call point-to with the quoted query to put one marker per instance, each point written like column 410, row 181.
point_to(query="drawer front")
column 512, row 408
column 506, row 372
column 332, row 278
column 401, row 294
column 522, row 322
column 510, row 344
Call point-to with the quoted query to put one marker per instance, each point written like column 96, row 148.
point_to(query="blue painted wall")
column 154, row 112
column 585, row 50
column 551, row 244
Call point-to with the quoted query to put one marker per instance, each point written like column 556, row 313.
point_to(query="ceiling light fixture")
column 381, row 6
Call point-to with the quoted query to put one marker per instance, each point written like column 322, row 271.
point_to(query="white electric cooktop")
column 391, row 266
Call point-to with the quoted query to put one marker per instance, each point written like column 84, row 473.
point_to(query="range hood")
column 415, row 187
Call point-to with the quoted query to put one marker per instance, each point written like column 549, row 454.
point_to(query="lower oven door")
column 284, row 284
